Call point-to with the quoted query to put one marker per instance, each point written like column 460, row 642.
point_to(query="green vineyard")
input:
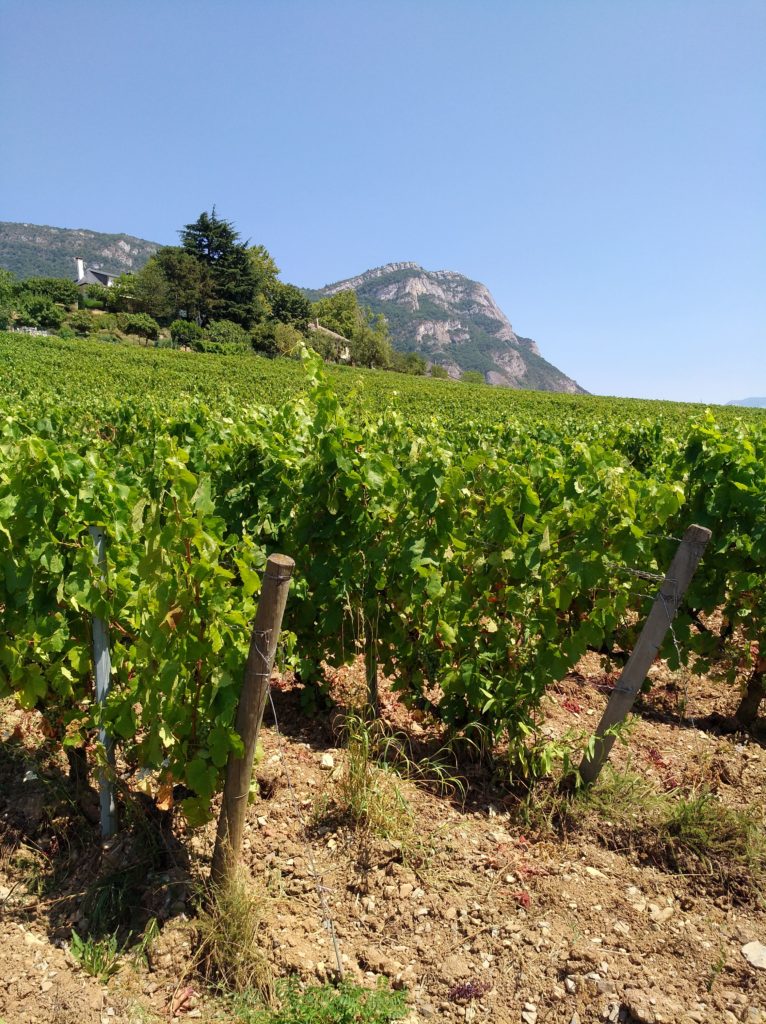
column 473, row 543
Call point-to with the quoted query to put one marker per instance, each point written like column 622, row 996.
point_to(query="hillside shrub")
column 276, row 339
column 56, row 289
column 95, row 296
column 83, row 322
column 185, row 333
column 409, row 362
column 140, row 324
column 37, row 311
column 226, row 332
column 472, row 377
column 223, row 337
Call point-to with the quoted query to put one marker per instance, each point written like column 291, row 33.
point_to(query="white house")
column 86, row 275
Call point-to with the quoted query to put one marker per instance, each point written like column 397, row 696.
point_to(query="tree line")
column 212, row 292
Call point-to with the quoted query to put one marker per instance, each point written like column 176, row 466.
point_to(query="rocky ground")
column 482, row 913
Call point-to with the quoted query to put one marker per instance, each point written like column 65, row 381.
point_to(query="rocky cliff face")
column 454, row 322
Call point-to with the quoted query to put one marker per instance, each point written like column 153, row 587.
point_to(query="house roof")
column 96, row 276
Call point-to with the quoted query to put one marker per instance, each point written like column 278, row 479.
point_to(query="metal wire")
column 639, row 573
column 320, row 889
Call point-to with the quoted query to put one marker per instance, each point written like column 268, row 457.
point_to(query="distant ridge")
column 37, row 250
column 755, row 403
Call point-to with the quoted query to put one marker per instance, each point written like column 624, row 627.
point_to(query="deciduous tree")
column 188, row 280
column 289, row 305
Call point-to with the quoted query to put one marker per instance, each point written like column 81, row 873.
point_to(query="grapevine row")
column 470, row 556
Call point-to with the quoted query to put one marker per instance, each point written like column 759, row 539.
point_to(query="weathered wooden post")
column 103, row 668
column 260, row 661
column 664, row 609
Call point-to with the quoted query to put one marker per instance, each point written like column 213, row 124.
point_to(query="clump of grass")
column 727, row 844
column 97, row 957
column 326, row 1004
column 142, row 950
column 438, row 772
column 376, row 759
column 230, row 949
column 113, row 901
column 369, row 791
column 370, row 794
column 687, row 833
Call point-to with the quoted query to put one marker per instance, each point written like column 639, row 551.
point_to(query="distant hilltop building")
column 86, row 275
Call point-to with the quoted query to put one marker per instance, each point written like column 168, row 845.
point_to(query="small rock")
column 327, row 762
column 570, row 985
column 755, row 954
column 621, row 928
column 659, row 915
column 594, row 872
column 501, row 838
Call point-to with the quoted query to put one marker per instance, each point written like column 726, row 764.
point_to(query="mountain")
column 36, row 250
column 756, row 403
column 455, row 322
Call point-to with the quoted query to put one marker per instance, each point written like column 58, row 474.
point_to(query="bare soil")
column 479, row 917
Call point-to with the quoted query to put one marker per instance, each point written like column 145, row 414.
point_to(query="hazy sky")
column 601, row 166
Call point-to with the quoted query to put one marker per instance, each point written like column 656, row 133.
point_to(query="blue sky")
column 599, row 165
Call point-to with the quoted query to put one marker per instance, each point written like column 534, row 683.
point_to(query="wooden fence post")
column 252, row 701
column 664, row 609
column 103, row 667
